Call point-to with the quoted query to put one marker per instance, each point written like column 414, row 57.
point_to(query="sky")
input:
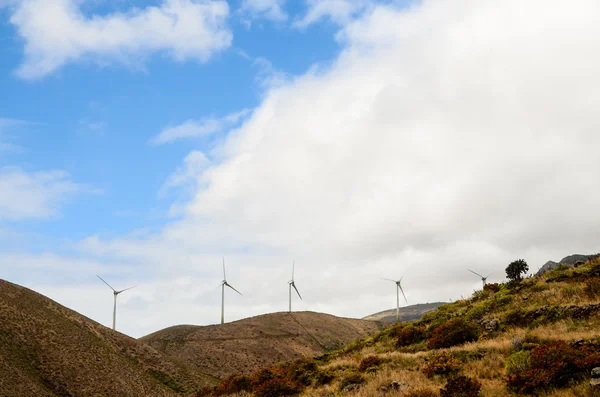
column 143, row 141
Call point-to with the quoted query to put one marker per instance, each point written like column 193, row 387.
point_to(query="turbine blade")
column 224, row 278
column 405, row 272
column 475, row 273
column 401, row 290
column 106, row 283
column 234, row 289
column 389, row 279
column 489, row 274
column 294, row 285
column 126, row 289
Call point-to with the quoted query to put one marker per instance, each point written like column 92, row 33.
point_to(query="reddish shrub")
column 461, row 386
column 233, row 384
column 266, row 374
column 441, row 363
column 278, row 387
column 369, row 362
column 554, row 364
column 493, row 287
column 409, row 335
column 452, row 333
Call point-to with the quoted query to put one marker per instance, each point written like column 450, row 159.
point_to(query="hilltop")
column 538, row 336
column 407, row 313
column 246, row 345
column 49, row 350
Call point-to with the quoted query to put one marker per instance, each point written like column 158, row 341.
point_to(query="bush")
column 592, row 288
column 233, row 384
column 518, row 362
column 554, row 364
column 353, row 378
column 323, row 378
column 493, row 287
column 409, row 335
column 461, row 386
column 369, row 363
column 452, row 333
column 441, row 363
column 303, row 371
column 278, row 387
column 516, row 269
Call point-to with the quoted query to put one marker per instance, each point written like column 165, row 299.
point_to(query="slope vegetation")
column 49, row 350
column 247, row 345
column 539, row 336
column 407, row 313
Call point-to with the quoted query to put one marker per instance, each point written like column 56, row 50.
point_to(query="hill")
column 246, row 345
column 539, row 336
column 407, row 313
column 49, row 350
column 571, row 260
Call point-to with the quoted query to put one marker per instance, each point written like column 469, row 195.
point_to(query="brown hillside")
column 247, row 345
column 49, row 350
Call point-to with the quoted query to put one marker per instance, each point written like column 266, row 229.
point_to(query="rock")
column 596, row 372
column 351, row 387
column 595, row 384
column 490, row 325
column 395, row 386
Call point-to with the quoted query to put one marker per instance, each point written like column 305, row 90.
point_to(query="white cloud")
column 195, row 128
column 58, row 32
column 338, row 11
column 267, row 9
column 450, row 135
column 34, row 195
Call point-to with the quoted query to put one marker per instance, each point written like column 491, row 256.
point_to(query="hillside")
column 246, row 345
column 407, row 313
column 49, row 350
column 539, row 337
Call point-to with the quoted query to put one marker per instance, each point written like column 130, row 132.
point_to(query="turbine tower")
column 223, row 284
column 115, row 293
column 398, row 290
column 291, row 284
column 484, row 279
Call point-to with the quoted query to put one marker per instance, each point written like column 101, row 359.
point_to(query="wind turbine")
column 398, row 290
column 484, row 279
column 223, row 284
column 293, row 284
column 115, row 293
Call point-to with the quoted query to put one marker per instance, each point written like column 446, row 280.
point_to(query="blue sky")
column 94, row 121
column 143, row 141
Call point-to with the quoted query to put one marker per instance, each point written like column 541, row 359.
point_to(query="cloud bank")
column 446, row 135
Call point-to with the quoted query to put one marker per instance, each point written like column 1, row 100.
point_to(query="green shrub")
column 592, row 288
column 323, row 377
column 517, row 362
column 302, row 371
column 369, row 363
column 461, row 386
column 441, row 363
column 452, row 333
column 353, row 378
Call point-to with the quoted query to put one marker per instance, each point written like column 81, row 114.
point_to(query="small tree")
column 515, row 270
